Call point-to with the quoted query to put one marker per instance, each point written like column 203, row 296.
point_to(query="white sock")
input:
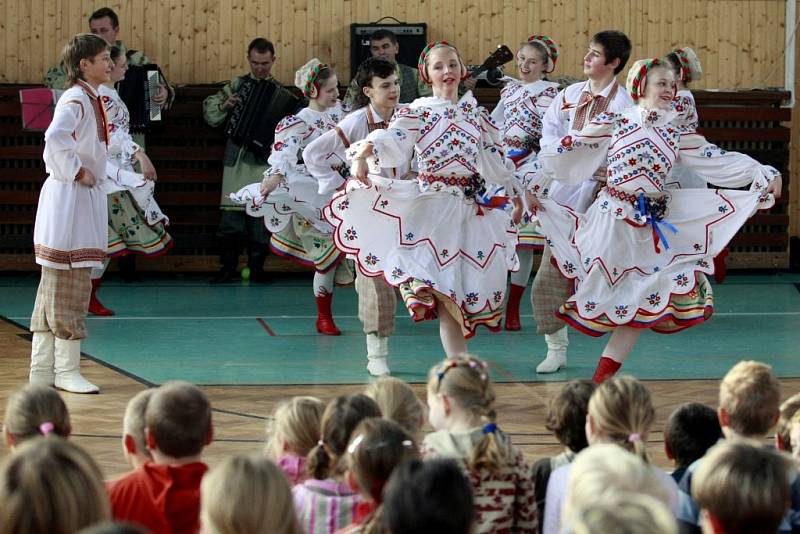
column 521, row 277
column 323, row 283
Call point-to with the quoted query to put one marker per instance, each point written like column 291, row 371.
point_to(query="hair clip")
column 634, row 437
column 407, row 443
column 489, row 428
column 321, row 443
column 355, row 443
column 46, row 427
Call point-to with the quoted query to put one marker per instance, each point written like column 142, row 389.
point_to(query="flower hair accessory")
column 306, row 77
column 633, row 438
column 427, row 50
column 46, row 427
column 637, row 76
column 550, row 46
column 489, row 428
column 449, row 364
column 691, row 70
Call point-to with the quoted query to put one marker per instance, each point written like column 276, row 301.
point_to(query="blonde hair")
column 626, row 513
column 622, row 410
column 340, row 418
column 397, row 402
column 787, row 412
column 751, row 395
column 51, row 485
column 465, row 379
column 246, row 494
column 133, row 422
column 297, row 422
column 744, row 486
column 605, row 470
column 30, row 409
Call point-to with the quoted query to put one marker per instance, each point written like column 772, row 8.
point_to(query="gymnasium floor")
column 251, row 346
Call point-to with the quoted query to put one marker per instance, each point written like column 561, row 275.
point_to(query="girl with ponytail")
column 461, row 410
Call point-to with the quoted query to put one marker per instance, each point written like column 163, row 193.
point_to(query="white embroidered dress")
column 624, row 271
column 687, row 120
column 519, row 115
column 429, row 236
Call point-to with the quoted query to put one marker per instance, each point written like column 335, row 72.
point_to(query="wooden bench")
column 188, row 153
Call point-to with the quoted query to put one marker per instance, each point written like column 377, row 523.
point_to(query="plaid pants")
column 550, row 290
column 377, row 303
column 61, row 302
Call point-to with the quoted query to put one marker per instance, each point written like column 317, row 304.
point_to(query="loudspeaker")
column 412, row 38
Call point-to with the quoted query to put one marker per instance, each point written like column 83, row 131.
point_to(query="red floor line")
column 266, row 326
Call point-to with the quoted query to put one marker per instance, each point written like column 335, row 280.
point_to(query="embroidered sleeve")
column 60, row 143
column 493, row 166
column 324, row 158
column 290, row 135
column 687, row 119
column 394, row 146
column 555, row 122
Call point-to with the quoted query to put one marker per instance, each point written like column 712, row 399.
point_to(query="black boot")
column 229, row 258
column 256, row 254
column 127, row 269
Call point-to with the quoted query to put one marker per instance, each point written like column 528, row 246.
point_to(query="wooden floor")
column 241, row 411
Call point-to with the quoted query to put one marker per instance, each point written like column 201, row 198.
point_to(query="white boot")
column 557, row 344
column 67, row 367
column 377, row 355
column 42, row 359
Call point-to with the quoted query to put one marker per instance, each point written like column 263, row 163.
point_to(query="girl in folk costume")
column 288, row 197
column 437, row 238
column 70, row 235
column 640, row 253
column 687, row 68
column 374, row 107
column 135, row 221
column 519, row 114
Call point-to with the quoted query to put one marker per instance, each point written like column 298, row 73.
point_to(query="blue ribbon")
column 489, row 428
column 658, row 234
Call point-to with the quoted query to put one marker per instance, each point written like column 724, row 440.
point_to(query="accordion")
column 262, row 105
column 137, row 90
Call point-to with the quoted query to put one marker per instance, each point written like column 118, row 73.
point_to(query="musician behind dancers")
column 105, row 23
column 241, row 167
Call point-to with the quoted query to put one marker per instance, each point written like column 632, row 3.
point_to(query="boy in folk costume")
column 70, row 235
column 571, row 110
column 375, row 105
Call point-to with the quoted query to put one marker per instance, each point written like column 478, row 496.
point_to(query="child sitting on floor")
column 33, row 411
column 292, row 433
column 690, row 431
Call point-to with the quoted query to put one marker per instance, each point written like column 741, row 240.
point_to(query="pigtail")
column 490, row 453
column 318, row 462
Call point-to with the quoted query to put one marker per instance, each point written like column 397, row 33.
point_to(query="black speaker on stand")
column 412, row 38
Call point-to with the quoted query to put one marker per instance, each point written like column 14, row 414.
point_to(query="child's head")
column 177, row 421
column 430, row 496
column 743, row 487
column 608, row 53
column 120, row 62
column 86, row 57
column 377, row 83
column 376, row 447
column 749, row 400
column 566, row 416
column 621, row 411
column 35, row 410
column 605, row 470
column 318, row 82
column 295, row 427
column 685, row 64
column 246, row 494
column 788, row 409
column 460, row 391
column 626, row 513
column 398, row 402
column 690, row 431
column 340, row 418
column 440, row 65
column 134, row 444
column 51, row 485
column 536, row 57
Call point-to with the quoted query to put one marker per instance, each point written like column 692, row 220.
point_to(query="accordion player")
column 138, row 90
column 262, row 105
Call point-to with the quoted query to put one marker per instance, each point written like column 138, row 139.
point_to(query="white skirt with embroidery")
column 440, row 245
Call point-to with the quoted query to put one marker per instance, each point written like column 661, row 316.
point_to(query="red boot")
column 325, row 323
column 606, row 368
column 95, row 307
column 512, row 307
column 720, row 268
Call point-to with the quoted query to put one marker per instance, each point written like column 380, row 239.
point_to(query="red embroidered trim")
column 459, row 181
column 69, row 257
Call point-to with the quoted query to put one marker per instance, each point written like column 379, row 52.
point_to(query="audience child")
column 398, row 402
column 32, row 411
column 787, row 411
column 292, row 433
column 607, row 470
column 164, row 495
column 324, row 502
column 742, row 487
column 134, row 446
column 376, row 447
column 566, row 419
column 461, row 410
column 431, row 496
column 244, row 495
column 620, row 412
column 626, row 514
column 690, row 431
column 51, row 485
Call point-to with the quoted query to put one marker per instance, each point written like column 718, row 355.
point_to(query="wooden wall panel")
column 201, row 41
